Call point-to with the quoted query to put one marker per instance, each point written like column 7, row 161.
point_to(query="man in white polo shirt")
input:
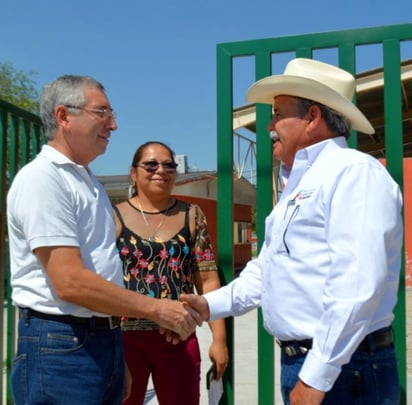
column 65, row 270
column 327, row 274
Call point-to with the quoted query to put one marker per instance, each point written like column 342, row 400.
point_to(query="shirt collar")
column 311, row 153
column 59, row 158
column 305, row 157
column 55, row 156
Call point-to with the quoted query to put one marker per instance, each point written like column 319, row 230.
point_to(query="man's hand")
column 171, row 337
column 303, row 394
column 177, row 317
column 198, row 303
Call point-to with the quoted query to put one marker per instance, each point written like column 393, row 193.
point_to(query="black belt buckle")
column 291, row 351
column 292, row 348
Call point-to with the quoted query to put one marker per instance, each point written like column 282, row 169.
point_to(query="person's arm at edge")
column 207, row 281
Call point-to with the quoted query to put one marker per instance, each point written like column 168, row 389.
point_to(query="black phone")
column 210, row 375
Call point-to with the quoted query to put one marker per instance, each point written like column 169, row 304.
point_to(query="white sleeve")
column 240, row 295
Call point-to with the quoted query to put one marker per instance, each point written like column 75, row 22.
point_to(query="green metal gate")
column 20, row 140
column 349, row 45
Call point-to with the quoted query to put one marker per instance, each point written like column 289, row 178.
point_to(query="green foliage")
column 18, row 88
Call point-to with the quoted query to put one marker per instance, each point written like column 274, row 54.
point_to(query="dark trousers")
column 370, row 378
column 66, row 364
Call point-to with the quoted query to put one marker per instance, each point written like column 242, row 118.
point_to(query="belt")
column 141, row 325
column 111, row 322
column 374, row 341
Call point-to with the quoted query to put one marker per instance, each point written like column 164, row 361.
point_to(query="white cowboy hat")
column 317, row 81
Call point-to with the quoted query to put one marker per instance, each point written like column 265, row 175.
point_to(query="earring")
column 132, row 190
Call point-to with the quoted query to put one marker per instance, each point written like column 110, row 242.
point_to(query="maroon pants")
column 175, row 369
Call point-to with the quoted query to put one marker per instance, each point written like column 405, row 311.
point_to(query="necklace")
column 152, row 235
column 153, row 212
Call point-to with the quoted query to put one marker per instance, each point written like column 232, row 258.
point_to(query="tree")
column 18, row 88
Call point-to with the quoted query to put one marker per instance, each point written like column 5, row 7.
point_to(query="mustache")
column 274, row 136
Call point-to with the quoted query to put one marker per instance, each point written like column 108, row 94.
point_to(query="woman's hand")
column 218, row 354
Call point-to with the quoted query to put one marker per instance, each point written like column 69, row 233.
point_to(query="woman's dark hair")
column 138, row 157
column 140, row 150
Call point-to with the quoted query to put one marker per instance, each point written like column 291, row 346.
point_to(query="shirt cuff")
column 219, row 304
column 317, row 374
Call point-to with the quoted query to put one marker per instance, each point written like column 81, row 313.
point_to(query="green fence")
column 20, row 140
column 345, row 49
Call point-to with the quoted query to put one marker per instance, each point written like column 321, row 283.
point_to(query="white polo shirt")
column 56, row 202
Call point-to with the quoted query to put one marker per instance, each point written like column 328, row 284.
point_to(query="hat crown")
column 331, row 76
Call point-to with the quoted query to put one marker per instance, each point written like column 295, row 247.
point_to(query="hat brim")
column 264, row 90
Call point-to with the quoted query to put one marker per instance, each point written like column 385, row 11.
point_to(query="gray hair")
column 336, row 122
column 65, row 90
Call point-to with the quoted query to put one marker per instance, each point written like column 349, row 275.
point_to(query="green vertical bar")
column 264, row 203
column 13, row 165
column 14, row 146
column 348, row 63
column 25, row 143
column 225, row 195
column 394, row 163
column 3, row 152
column 346, row 54
column 35, row 140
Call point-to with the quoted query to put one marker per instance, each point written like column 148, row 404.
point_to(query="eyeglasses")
column 151, row 166
column 102, row 113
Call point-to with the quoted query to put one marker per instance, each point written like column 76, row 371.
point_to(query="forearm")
column 218, row 351
column 89, row 290
column 218, row 329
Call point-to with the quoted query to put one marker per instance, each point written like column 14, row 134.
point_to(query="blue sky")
column 157, row 59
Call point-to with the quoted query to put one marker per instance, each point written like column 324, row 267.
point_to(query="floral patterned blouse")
column 164, row 269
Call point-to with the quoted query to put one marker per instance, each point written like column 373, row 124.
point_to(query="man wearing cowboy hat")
column 327, row 274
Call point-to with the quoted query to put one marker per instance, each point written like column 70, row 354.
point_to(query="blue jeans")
column 66, row 364
column 370, row 378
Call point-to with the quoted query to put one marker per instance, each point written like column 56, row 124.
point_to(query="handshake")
column 178, row 319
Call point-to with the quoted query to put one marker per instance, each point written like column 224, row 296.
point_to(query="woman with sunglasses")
column 165, row 248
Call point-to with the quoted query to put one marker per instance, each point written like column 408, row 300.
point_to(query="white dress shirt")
column 329, row 266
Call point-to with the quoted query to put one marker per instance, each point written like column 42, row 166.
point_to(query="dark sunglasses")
column 151, row 166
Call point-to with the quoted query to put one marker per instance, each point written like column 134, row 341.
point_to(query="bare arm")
column 206, row 281
column 75, row 283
